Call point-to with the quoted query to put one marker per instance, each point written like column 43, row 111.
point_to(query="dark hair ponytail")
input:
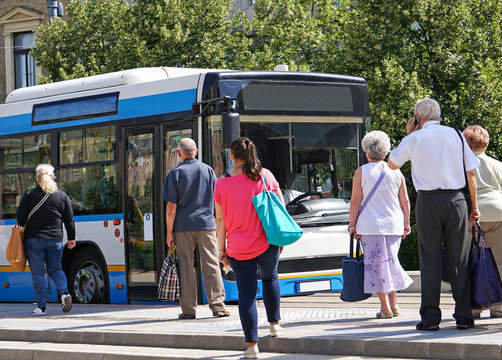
column 244, row 149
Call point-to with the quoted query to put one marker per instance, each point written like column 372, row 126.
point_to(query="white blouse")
column 382, row 215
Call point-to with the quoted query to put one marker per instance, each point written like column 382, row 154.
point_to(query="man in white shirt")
column 441, row 162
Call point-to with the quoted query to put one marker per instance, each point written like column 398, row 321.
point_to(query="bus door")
column 139, row 210
column 150, row 155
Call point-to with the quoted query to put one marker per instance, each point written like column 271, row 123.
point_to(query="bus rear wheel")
column 87, row 278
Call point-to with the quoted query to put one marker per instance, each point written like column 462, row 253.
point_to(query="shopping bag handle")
column 358, row 248
column 480, row 236
column 171, row 251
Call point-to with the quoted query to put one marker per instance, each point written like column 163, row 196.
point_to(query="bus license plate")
column 313, row 286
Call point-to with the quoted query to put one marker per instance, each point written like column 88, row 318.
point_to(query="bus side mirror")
column 230, row 128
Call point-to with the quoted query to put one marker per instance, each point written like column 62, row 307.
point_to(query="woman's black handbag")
column 486, row 287
column 353, row 274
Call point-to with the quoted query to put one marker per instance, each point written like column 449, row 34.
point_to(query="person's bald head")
column 187, row 148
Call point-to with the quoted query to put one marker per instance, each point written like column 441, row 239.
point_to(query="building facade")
column 19, row 21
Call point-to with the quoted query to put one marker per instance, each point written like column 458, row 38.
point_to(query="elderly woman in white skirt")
column 381, row 224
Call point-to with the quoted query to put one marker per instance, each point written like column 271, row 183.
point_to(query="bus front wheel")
column 87, row 278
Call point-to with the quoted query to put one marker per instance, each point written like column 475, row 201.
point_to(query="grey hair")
column 45, row 178
column 428, row 108
column 377, row 144
column 477, row 137
column 187, row 146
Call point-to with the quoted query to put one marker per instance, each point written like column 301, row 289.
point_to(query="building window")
column 24, row 63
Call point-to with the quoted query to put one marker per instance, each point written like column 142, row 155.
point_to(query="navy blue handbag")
column 486, row 287
column 353, row 265
column 353, row 274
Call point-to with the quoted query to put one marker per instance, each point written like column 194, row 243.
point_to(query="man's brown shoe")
column 221, row 313
column 186, row 316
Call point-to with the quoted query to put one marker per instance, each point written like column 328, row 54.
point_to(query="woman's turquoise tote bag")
column 279, row 226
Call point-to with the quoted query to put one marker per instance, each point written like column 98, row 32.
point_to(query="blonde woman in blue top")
column 43, row 236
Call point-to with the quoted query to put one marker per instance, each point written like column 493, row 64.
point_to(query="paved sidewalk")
column 316, row 324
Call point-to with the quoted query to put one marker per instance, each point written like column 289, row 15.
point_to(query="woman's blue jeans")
column 41, row 253
column 247, row 284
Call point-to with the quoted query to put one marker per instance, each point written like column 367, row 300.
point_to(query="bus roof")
column 125, row 77
column 142, row 75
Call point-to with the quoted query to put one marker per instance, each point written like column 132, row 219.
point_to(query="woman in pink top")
column 246, row 246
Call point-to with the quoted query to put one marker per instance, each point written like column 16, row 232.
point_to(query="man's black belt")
column 424, row 192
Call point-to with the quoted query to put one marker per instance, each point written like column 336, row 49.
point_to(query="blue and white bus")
column 112, row 139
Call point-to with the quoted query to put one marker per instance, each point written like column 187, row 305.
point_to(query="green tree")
column 96, row 37
column 408, row 49
column 291, row 32
column 190, row 33
column 111, row 35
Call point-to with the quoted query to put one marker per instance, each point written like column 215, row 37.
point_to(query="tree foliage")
column 96, row 37
column 110, row 35
column 190, row 33
column 289, row 32
column 408, row 49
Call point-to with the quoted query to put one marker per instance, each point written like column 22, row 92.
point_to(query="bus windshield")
column 312, row 158
column 307, row 157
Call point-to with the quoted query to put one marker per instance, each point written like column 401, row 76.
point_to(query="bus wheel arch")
column 87, row 274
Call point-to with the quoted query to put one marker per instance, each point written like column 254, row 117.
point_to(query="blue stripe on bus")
column 157, row 104
column 82, row 218
column 128, row 108
column 15, row 124
column 19, row 288
column 118, row 296
column 8, row 222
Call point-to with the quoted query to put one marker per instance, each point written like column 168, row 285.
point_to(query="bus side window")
column 12, row 187
column 92, row 187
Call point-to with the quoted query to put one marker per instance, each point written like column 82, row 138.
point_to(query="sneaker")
column 276, row 330
column 252, row 352
column 66, row 302
column 39, row 311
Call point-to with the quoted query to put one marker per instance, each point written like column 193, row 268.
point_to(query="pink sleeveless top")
column 246, row 238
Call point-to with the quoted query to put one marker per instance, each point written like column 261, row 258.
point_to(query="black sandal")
column 422, row 327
